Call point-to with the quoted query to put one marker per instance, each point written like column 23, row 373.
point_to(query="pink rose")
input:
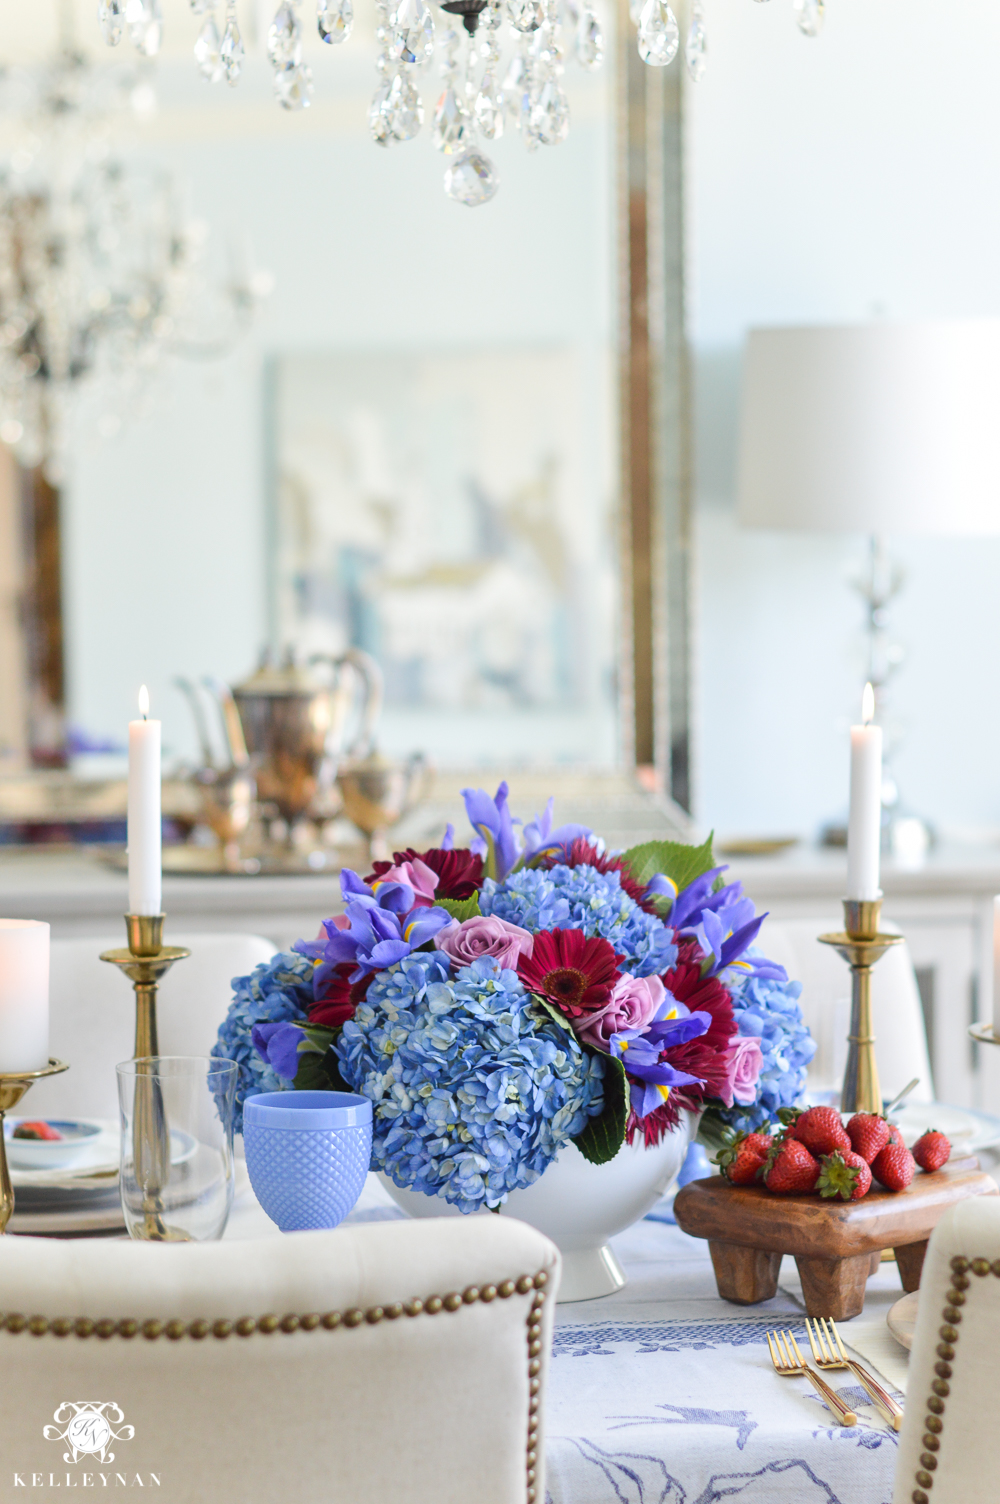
column 416, row 875
column 474, row 938
column 634, row 1003
column 743, row 1065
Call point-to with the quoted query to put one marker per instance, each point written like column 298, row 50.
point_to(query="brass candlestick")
column 145, row 961
column 13, row 1085
column 861, row 945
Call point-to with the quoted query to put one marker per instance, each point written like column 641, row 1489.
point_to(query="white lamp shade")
column 872, row 428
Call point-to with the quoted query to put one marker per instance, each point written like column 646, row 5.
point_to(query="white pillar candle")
column 864, row 829
column 24, row 995
column 144, row 812
column 996, row 967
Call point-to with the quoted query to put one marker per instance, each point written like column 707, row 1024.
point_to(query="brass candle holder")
column 861, row 945
column 144, row 962
column 983, row 1033
column 13, row 1085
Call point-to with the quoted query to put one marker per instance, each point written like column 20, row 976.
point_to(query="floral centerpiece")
column 500, row 1001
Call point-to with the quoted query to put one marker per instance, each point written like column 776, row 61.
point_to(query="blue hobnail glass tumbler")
column 307, row 1153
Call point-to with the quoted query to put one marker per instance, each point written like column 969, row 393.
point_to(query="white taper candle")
column 996, row 967
column 24, row 995
column 144, row 884
column 864, row 830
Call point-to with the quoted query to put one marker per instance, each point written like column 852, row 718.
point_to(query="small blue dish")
column 76, row 1137
column 307, row 1153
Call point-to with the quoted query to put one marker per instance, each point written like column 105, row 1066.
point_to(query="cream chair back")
column 403, row 1362
column 92, row 1008
column 949, row 1448
column 901, row 1036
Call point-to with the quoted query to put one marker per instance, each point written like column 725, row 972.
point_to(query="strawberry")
column 847, row 1175
column 821, row 1130
column 895, row 1137
column 931, row 1150
column 790, row 1167
column 894, row 1167
column 36, row 1130
column 868, row 1134
column 741, row 1160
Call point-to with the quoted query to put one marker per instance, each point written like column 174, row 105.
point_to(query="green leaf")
column 605, row 1134
column 553, row 1012
column 461, row 908
column 682, row 864
column 319, row 1037
column 319, row 1072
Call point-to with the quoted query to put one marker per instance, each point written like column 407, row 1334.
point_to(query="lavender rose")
column 743, row 1070
column 633, row 1005
column 474, row 938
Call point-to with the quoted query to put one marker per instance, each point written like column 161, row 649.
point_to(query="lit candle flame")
column 868, row 705
column 144, row 702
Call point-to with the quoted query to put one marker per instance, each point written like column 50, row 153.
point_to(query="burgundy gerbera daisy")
column 339, row 999
column 570, row 971
column 707, row 1056
column 460, row 872
column 581, row 854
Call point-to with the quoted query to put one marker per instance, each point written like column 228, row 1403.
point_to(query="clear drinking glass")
column 176, row 1167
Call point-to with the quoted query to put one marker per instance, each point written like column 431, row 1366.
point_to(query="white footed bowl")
column 580, row 1206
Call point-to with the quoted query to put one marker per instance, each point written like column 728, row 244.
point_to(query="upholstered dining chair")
column 949, row 1447
column 92, row 1014
column 901, row 1035
column 403, row 1362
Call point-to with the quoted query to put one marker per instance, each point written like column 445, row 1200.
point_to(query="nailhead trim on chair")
column 247, row 1326
column 940, row 1389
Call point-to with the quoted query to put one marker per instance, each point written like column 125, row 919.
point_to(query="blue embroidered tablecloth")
column 665, row 1394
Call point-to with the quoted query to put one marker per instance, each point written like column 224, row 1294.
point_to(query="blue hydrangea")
column 581, row 898
column 770, row 1011
column 275, row 990
column 475, row 1089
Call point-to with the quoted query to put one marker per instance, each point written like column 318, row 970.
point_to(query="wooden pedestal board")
column 835, row 1244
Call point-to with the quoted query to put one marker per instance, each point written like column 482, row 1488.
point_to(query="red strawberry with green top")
column 847, row 1175
column 895, row 1137
column 932, row 1150
column 821, row 1130
column 894, row 1167
column 869, row 1134
column 790, row 1167
column 743, row 1159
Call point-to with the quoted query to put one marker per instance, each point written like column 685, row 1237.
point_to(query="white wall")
column 837, row 179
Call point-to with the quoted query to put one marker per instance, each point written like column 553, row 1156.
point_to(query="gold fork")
column 828, row 1352
column 782, row 1348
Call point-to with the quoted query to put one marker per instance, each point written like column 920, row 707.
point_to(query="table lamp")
column 878, row 428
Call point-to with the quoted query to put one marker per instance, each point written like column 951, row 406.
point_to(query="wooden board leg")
column 745, row 1276
column 910, row 1259
column 875, row 1266
column 834, row 1287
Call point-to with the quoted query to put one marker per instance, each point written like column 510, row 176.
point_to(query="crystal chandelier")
column 100, row 273
column 479, row 95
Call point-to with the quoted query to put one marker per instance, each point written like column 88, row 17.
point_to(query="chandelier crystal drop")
column 480, row 96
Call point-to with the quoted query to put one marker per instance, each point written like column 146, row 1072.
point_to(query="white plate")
column 967, row 1131
column 97, row 1166
column 902, row 1319
column 76, row 1137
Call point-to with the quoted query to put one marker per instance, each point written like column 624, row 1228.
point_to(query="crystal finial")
column 809, row 14
column 293, row 85
column 284, row 36
column 514, row 85
column 111, row 14
column 525, row 15
column 488, row 108
column 207, row 52
column 413, row 32
column 471, row 179
column 403, row 108
column 145, row 25
column 659, row 34
column 696, row 47
column 377, row 123
column 589, row 40
column 335, row 19
column 452, row 126
column 232, row 50
column 550, row 114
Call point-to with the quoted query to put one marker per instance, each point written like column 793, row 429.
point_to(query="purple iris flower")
column 278, row 1044
column 689, row 904
column 382, row 928
column 640, row 1051
column 724, row 937
column 539, row 835
column 491, row 819
column 448, row 839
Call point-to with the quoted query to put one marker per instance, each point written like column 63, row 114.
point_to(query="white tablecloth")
column 664, row 1394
